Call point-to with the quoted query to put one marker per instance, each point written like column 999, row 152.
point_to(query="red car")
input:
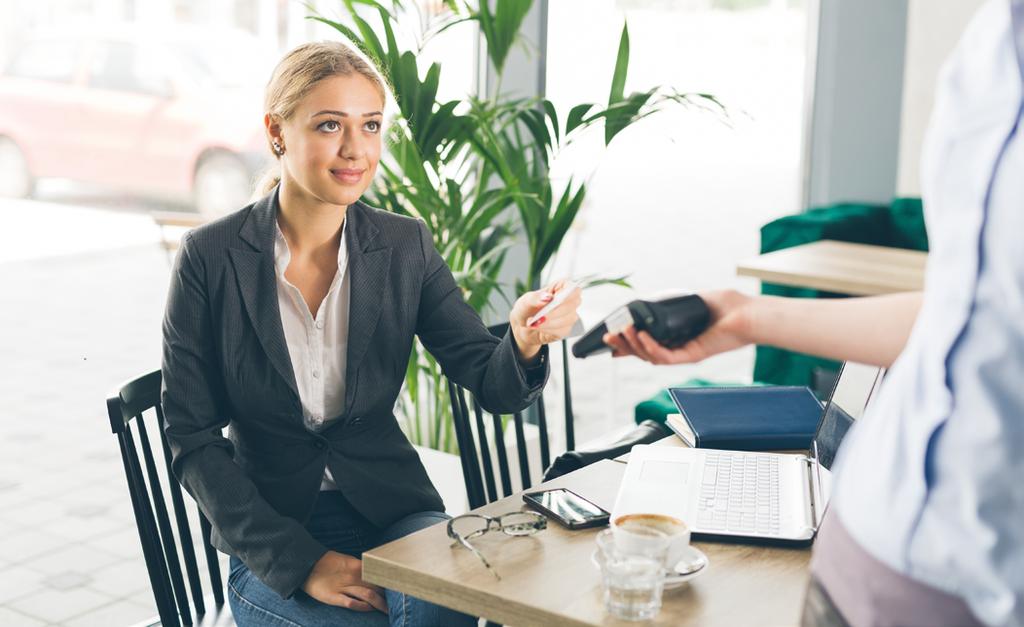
column 176, row 113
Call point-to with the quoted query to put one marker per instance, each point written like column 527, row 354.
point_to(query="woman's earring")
column 278, row 148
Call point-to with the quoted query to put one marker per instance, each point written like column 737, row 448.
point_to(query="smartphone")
column 568, row 508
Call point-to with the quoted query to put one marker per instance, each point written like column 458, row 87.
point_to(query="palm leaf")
column 368, row 37
column 501, row 28
column 549, row 110
column 576, row 116
column 536, row 124
column 592, row 280
column 613, row 126
column 565, row 213
column 396, row 5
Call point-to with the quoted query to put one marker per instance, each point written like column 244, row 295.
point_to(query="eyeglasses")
column 462, row 529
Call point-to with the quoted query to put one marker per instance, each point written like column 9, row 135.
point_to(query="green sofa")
column 900, row 225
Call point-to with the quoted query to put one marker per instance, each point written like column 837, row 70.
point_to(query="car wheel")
column 15, row 179
column 222, row 185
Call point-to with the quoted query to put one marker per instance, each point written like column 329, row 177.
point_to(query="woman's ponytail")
column 267, row 181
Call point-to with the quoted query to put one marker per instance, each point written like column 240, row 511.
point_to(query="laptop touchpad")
column 654, row 471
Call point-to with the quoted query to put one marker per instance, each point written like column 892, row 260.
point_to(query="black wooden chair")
column 477, row 465
column 163, row 550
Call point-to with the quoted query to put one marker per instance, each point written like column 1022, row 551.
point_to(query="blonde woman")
column 290, row 323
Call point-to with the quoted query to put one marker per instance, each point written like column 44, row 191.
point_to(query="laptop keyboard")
column 739, row 494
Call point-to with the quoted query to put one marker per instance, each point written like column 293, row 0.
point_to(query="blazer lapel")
column 257, row 281
column 368, row 267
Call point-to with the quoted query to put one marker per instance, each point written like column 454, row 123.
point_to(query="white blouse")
column 317, row 345
column 929, row 481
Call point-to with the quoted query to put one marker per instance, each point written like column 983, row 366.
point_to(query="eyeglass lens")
column 469, row 526
column 522, row 523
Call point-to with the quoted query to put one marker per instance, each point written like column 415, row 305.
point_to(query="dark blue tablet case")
column 750, row 418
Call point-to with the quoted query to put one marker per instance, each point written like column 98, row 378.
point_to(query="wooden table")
column 842, row 267
column 549, row 579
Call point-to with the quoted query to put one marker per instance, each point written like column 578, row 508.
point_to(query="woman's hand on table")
column 337, row 579
column 552, row 327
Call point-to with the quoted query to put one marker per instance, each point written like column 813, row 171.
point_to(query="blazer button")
column 320, row 444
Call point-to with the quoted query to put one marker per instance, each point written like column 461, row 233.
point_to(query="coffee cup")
column 630, row 529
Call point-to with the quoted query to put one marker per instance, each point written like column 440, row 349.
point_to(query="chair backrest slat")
column 164, row 524
column 211, row 561
column 148, row 535
column 188, row 550
column 478, row 482
column 570, row 428
column 132, row 399
column 163, row 551
column 542, row 428
column 499, row 445
column 460, row 436
column 524, row 458
column 467, row 450
column 485, row 457
column 478, row 469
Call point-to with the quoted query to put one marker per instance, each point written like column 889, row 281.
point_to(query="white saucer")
column 693, row 564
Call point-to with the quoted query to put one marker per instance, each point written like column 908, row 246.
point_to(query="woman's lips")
column 345, row 175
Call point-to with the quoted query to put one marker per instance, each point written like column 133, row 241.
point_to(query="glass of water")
column 633, row 579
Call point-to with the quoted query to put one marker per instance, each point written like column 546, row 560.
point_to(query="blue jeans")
column 339, row 527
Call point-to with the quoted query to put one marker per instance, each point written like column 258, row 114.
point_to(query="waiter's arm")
column 870, row 330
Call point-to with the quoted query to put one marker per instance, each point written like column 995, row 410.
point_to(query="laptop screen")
column 849, row 398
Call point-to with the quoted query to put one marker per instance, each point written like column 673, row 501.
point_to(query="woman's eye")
column 373, row 126
column 330, row 126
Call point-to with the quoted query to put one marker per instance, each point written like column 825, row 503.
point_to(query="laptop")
column 740, row 494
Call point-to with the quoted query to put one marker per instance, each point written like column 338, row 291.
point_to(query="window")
column 124, row 66
column 679, row 198
column 46, row 60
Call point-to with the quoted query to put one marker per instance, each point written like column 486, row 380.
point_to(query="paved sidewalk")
column 72, row 327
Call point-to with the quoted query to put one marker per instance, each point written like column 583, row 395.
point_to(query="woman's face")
column 332, row 141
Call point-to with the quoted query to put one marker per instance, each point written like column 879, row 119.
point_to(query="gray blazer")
column 226, row 364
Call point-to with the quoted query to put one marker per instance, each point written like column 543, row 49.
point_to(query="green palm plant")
column 426, row 174
column 520, row 138
column 462, row 165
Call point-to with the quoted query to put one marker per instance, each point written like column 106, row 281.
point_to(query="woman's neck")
column 308, row 224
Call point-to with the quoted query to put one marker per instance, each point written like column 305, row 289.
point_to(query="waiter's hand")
column 729, row 329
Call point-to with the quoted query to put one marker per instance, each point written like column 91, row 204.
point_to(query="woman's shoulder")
column 383, row 217
column 223, row 226
column 219, row 234
column 392, row 226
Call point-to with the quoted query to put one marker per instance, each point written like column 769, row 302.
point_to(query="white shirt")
column 317, row 345
column 931, row 480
